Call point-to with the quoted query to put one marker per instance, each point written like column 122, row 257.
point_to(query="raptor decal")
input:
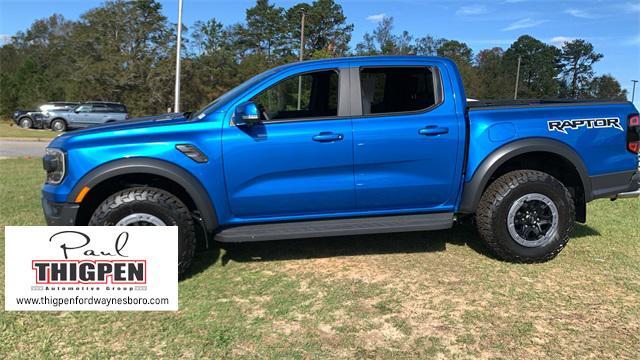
column 599, row 123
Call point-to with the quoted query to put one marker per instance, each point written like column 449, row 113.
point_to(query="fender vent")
column 192, row 153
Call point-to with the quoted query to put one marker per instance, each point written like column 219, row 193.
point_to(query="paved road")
column 14, row 149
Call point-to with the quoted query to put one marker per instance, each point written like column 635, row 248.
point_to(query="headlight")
column 54, row 164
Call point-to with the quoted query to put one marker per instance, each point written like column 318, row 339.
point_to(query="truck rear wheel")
column 526, row 216
column 148, row 206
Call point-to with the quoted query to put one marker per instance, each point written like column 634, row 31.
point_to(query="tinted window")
column 100, row 108
column 83, row 108
column 117, row 108
column 304, row 96
column 392, row 90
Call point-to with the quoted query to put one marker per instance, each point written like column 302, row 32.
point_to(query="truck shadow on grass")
column 377, row 244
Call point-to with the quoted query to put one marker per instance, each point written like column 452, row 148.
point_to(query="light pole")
column 302, row 35
column 633, row 92
column 176, row 105
column 515, row 94
column 301, row 55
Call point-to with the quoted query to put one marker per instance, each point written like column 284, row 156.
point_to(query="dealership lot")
column 14, row 149
column 16, row 142
column 406, row 295
column 10, row 130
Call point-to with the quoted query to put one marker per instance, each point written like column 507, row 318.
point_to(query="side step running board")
column 336, row 227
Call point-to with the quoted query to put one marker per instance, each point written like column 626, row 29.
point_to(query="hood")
column 135, row 123
column 129, row 124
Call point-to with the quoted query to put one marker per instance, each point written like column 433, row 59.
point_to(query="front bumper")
column 59, row 214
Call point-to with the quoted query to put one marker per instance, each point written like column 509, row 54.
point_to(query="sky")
column 613, row 27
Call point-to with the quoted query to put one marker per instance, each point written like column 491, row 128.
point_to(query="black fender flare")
column 472, row 191
column 143, row 165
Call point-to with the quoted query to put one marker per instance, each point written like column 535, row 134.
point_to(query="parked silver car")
column 38, row 118
column 87, row 114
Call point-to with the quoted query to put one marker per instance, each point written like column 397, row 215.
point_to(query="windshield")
column 215, row 104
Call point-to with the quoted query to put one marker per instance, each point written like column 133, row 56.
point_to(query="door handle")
column 328, row 137
column 432, row 130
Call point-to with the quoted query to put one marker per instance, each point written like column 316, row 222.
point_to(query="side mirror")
column 246, row 114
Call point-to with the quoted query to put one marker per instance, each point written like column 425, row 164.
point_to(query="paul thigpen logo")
column 118, row 269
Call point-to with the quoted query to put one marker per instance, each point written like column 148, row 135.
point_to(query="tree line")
column 125, row 51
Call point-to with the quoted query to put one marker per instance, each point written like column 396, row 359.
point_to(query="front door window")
column 311, row 95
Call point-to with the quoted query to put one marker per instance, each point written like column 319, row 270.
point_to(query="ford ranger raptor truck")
column 351, row 146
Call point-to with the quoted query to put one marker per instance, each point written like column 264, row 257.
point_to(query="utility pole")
column 633, row 92
column 301, row 56
column 515, row 94
column 176, row 105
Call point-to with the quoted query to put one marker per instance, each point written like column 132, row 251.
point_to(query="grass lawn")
column 10, row 129
column 427, row 295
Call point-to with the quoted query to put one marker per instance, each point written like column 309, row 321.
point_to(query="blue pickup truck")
column 351, row 146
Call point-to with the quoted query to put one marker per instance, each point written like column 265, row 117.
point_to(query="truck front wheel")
column 526, row 216
column 148, row 206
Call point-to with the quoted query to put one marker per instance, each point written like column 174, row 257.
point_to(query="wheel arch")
column 147, row 170
column 553, row 152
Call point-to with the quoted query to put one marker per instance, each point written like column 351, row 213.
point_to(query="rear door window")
column 117, row 108
column 100, row 108
column 398, row 89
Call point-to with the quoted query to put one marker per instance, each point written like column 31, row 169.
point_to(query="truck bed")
column 601, row 149
column 527, row 103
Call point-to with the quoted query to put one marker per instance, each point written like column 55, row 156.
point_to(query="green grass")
column 386, row 296
column 8, row 129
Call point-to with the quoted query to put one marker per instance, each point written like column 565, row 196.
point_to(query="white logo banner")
column 95, row 268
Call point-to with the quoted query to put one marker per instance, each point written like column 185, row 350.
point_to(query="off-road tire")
column 62, row 128
column 25, row 123
column 493, row 210
column 158, row 203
